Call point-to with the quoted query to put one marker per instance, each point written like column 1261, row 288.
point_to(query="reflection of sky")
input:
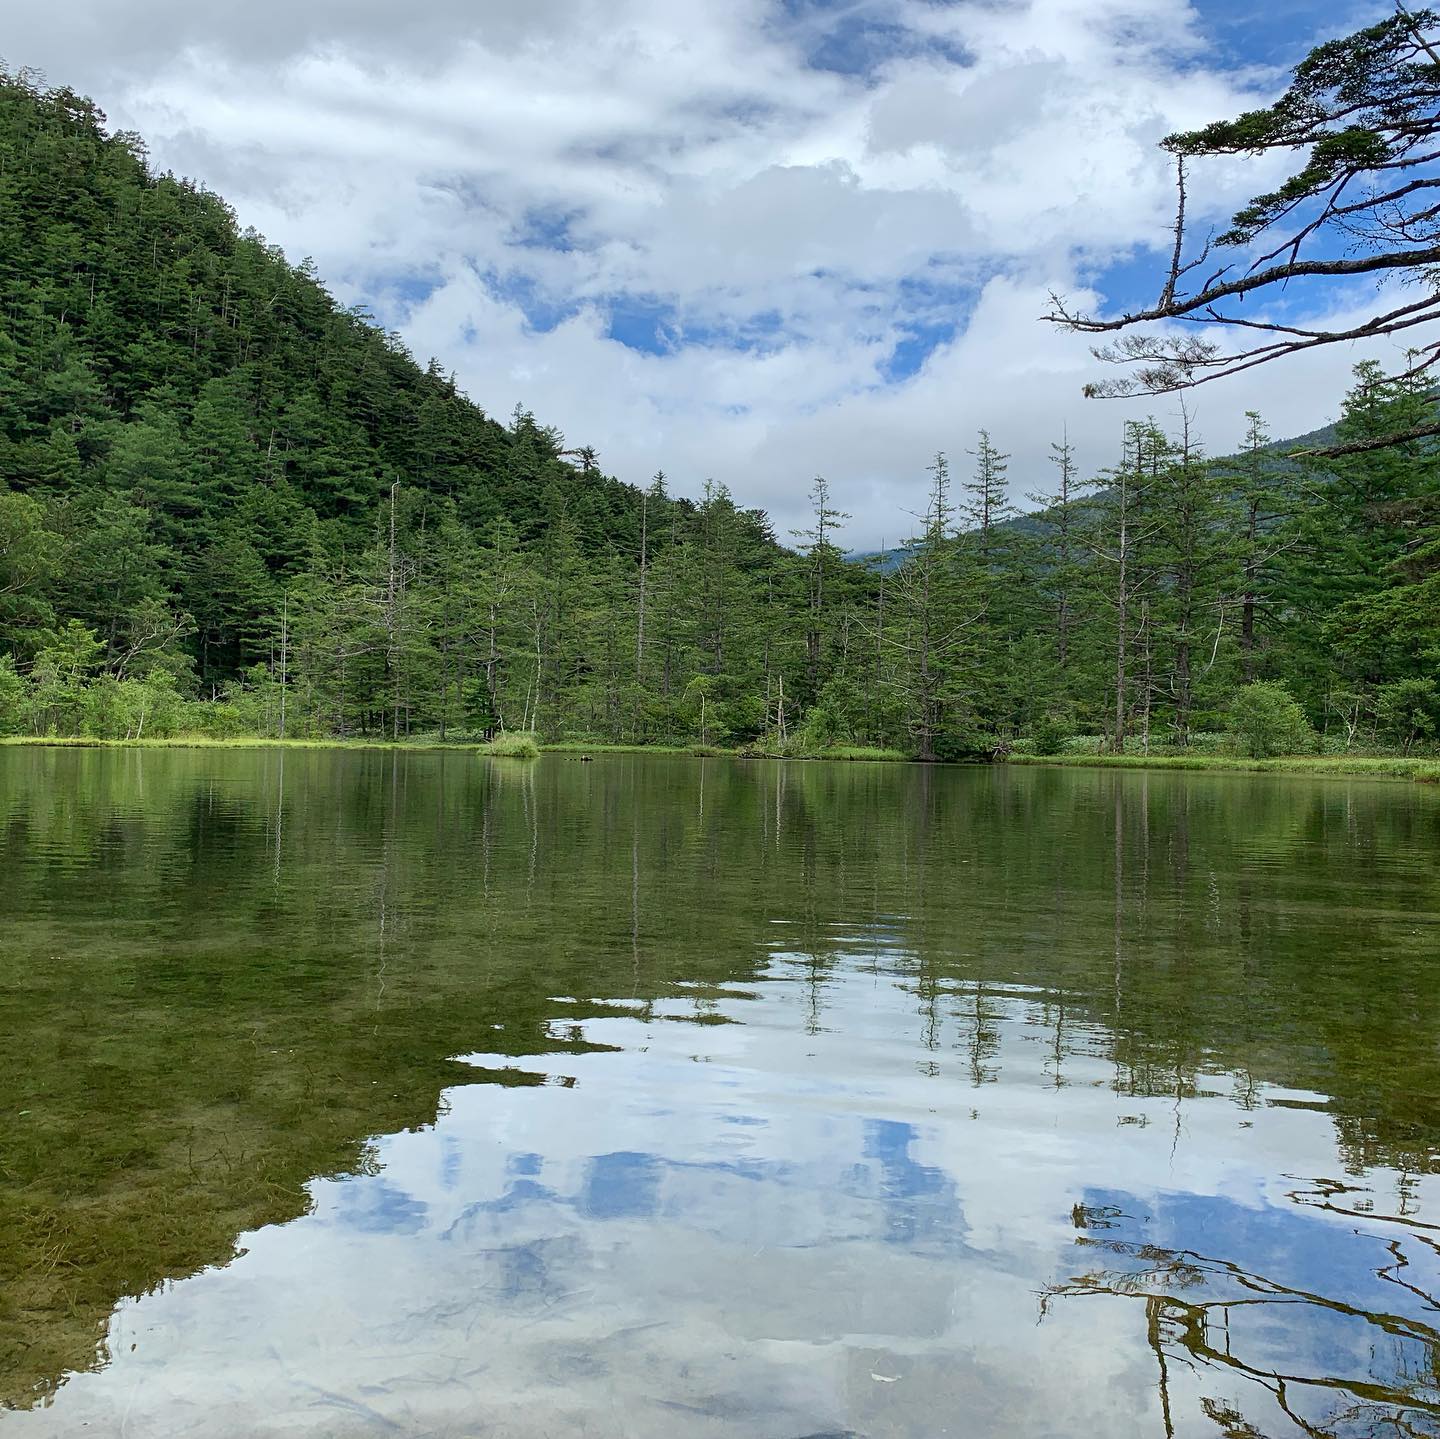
column 1289, row 1293
column 884, row 1196
column 377, row 1207
column 753, row 1229
column 1290, row 1248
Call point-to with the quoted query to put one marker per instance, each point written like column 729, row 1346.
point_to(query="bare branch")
column 1180, row 308
column 1167, row 295
column 1373, row 442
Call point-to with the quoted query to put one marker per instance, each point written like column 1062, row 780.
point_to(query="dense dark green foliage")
column 200, row 421
column 229, row 505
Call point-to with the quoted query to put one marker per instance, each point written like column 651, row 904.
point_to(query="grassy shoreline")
column 849, row 753
column 509, row 746
column 1422, row 771
column 247, row 742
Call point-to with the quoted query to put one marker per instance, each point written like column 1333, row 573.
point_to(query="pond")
column 353, row 1093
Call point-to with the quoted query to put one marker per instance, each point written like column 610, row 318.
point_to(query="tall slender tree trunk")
column 1247, row 603
column 392, row 621
column 640, row 608
column 284, row 658
column 491, row 660
column 1122, row 620
column 1148, row 682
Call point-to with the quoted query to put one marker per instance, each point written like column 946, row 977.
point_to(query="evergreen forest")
column 231, row 506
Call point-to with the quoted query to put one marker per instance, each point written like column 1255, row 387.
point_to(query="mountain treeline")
column 230, row 505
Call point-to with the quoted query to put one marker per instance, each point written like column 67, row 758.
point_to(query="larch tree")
column 1121, row 525
column 931, row 605
column 823, row 559
column 986, row 501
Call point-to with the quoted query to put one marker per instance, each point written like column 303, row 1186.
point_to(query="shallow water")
column 353, row 1093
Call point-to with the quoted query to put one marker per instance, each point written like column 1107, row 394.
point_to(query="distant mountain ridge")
column 1033, row 521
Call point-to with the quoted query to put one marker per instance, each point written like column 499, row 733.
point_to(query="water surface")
column 365, row 1093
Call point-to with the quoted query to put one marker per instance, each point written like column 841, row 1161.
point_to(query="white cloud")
column 686, row 154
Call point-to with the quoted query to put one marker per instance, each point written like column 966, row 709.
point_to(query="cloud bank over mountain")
column 754, row 241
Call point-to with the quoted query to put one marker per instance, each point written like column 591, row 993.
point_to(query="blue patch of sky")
column 766, row 327
column 538, row 229
column 653, row 325
column 918, row 342
column 924, row 311
column 1277, row 33
column 546, row 229
column 929, row 309
column 642, row 322
column 759, row 333
column 853, row 37
column 542, row 311
column 393, row 298
column 415, row 288
column 1133, row 282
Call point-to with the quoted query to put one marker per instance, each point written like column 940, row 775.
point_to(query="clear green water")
column 351, row 1094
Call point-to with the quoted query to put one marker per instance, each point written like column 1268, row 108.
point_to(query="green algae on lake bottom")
column 364, row 1090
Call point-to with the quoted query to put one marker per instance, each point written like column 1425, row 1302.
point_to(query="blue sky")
column 754, row 241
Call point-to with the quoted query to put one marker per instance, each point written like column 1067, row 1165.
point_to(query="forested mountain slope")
column 206, row 414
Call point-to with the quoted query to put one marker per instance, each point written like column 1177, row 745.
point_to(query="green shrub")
column 14, row 699
column 1266, row 720
column 1050, row 733
column 1406, row 710
column 514, row 746
column 1208, row 742
column 223, row 719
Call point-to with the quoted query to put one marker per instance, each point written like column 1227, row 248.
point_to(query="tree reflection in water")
column 1275, row 1353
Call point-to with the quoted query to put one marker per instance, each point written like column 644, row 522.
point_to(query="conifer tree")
column 987, row 505
column 822, row 562
column 932, row 604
